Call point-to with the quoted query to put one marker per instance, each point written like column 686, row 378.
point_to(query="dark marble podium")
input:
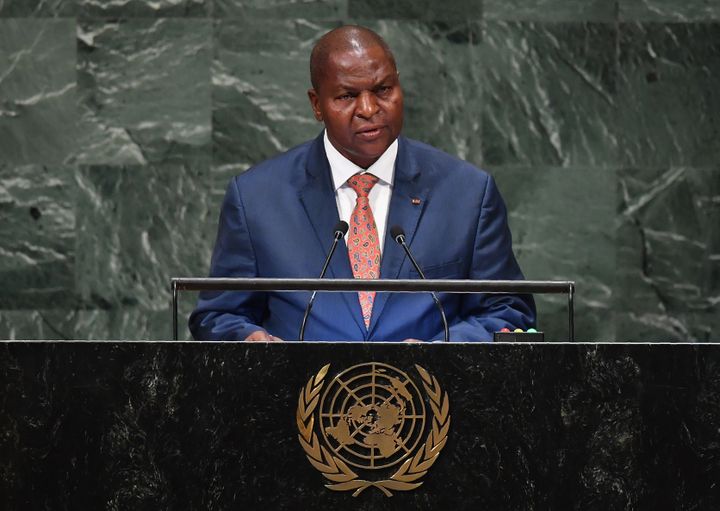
column 153, row 425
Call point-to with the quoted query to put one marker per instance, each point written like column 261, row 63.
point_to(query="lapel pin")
column 415, row 201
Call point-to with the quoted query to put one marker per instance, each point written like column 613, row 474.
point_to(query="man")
column 277, row 220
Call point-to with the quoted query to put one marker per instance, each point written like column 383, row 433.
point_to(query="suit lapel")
column 318, row 198
column 405, row 211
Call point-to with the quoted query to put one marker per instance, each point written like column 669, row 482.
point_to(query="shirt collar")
column 343, row 169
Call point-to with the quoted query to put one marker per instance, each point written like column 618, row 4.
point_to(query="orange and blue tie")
column 363, row 243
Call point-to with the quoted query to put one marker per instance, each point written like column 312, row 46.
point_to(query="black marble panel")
column 37, row 91
column 549, row 94
column 668, row 254
column 213, row 426
column 668, row 106
column 145, row 91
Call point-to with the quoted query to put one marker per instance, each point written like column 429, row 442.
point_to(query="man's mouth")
column 370, row 133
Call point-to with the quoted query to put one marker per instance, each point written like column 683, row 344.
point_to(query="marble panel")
column 37, row 91
column 119, row 322
column 37, row 236
column 549, row 94
column 550, row 10
column 456, row 10
column 669, row 10
column 36, row 324
column 37, row 8
column 137, row 228
column 260, row 80
column 145, row 8
column 668, row 254
column 264, row 9
column 130, row 323
column 145, row 91
column 668, row 106
column 563, row 226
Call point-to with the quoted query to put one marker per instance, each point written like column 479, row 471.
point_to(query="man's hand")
column 412, row 340
column 262, row 336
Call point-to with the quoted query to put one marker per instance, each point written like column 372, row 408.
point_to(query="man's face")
column 361, row 103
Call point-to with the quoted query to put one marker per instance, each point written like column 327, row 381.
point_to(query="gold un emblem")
column 371, row 419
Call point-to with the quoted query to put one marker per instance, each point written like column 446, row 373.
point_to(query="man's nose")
column 367, row 105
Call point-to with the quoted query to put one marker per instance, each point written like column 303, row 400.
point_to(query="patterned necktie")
column 363, row 243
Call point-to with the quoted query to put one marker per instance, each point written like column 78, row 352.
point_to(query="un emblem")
column 372, row 417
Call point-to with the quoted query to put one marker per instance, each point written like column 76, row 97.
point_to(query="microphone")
column 398, row 235
column 341, row 229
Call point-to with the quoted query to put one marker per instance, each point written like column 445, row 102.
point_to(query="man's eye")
column 345, row 97
column 384, row 90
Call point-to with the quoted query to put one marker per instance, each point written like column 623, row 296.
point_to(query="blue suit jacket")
column 277, row 220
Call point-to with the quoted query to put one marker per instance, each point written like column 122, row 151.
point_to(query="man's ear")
column 315, row 104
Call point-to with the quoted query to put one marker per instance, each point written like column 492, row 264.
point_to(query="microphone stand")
column 340, row 229
column 400, row 239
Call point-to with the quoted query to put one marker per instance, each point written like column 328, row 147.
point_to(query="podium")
column 191, row 425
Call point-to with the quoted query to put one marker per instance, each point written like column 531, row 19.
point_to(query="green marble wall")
column 121, row 122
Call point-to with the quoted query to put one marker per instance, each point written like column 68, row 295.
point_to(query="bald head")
column 348, row 38
column 356, row 93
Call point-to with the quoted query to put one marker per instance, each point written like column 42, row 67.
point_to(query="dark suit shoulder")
column 444, row 165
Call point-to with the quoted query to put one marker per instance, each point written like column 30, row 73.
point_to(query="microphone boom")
column 398, row 235
column 341, row 228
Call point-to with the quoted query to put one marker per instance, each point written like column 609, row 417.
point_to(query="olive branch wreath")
column 336, row 470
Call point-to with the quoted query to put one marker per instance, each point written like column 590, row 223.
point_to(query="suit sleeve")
column 230, row 315
column 492, row 259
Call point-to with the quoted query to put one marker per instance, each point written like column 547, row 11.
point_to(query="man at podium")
column 278, row 219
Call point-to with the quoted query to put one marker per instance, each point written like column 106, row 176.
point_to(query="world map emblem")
column 373, row 426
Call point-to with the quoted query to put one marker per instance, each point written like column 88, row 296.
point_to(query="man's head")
column 356, row 92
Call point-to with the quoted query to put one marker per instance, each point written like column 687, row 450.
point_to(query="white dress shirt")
column 343, row 169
